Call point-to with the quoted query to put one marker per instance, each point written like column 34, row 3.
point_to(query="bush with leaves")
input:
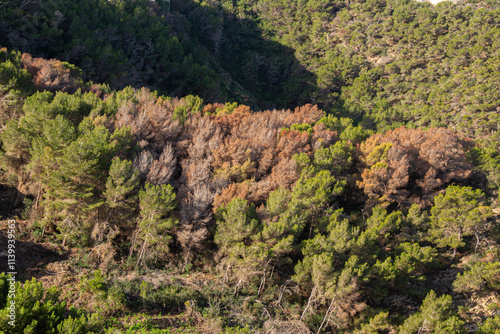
column 39, row 310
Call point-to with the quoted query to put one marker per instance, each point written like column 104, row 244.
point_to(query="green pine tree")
column 457, row 213
column 156, row 222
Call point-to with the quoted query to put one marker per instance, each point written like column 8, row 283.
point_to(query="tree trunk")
column 326, row 316
column 262, row 283
column 133, row 243
column 477, row 242
column 308, row 302
column 142, row 252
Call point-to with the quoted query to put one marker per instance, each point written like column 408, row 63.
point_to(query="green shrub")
column 33, row 309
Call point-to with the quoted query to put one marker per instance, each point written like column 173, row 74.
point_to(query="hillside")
column 251, row 166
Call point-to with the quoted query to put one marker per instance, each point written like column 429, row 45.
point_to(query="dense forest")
column 254, row 166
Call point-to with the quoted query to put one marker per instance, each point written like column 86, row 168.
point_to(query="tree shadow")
column 31, row 258
column 10, row 201
column 259, row 68
column 185, row 48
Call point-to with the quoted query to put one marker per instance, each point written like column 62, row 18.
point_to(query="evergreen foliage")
column 435, row 315
column 458, row 213
column 39, row 310
column 339, row 219
column 156, row 203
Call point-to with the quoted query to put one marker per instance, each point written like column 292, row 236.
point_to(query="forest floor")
column 56, row 265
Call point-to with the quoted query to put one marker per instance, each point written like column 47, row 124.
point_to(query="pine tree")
column 122, row 181
column 237, row 238
column 435, row 316
column 457, row 213
column 156, row 222
column 74, row 178
column 235, row 224
column 120, row 196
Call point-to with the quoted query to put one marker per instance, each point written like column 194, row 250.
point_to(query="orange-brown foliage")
column 257, row 148
column 417, row 165
column 212, row 159
column 51, row 75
